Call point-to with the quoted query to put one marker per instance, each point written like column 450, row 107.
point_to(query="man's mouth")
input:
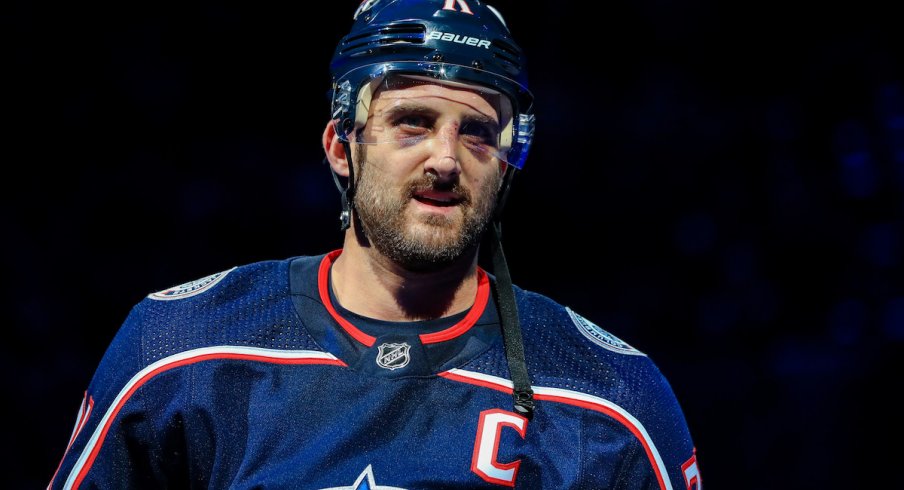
column 438, row 198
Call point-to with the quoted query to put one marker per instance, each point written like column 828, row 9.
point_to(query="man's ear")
column 335, row 150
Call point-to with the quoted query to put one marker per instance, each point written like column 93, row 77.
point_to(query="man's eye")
column 480, row 131
column 412, row 121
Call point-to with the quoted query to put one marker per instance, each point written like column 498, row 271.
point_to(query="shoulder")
column 573, row 361
column 212, row 296
column 241, row 305
column 236, row 280
column 571, row 351
column 537, row 311
column 222, row 291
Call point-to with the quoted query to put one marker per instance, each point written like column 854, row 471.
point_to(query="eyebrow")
column 409, row 108
column 483, row 119
column 422, row 110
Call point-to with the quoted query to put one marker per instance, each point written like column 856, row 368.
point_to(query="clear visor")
column 432, row 112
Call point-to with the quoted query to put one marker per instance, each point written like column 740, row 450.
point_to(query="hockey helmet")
column 444, row 41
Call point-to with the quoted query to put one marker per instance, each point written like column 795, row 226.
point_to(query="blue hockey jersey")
column 255, row 377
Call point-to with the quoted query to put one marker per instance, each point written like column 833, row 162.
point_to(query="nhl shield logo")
column 393, row 356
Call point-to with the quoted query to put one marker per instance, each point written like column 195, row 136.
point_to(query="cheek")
column 393, row 165
column 488, row 175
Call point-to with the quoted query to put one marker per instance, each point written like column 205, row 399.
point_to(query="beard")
column 420, row 243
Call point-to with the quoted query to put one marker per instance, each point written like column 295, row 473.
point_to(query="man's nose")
column 444, row 159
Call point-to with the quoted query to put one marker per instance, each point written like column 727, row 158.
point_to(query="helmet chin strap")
column 522, row 393
column 348, row 191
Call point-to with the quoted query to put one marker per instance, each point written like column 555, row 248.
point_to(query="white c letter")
column 486, row 446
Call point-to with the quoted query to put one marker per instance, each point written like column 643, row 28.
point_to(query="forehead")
column 442, row 96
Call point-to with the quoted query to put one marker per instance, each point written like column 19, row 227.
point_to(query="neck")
column 369, row 284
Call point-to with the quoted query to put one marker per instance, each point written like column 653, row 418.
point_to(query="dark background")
column 718, row 183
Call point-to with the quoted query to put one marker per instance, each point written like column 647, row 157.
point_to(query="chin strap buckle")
column 524, row 403
column 345, row 217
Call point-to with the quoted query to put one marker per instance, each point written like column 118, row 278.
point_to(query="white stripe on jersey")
column 182, row 356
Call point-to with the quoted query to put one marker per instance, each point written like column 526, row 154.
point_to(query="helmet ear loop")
column 348, row 194
column 362, row 108
column 347, row 191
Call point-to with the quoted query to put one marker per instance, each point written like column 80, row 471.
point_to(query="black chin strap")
column 522, row 392
column 511, row 329
column 348, row 192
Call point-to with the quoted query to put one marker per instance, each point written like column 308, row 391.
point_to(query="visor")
column 484, row 116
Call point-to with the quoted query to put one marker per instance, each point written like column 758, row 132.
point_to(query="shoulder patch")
column 601, row 337
column 190, row 288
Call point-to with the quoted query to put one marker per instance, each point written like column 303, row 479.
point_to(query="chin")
column 428, row 247
column 435, row 239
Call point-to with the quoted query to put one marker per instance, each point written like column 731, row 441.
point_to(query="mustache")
column 431, row 182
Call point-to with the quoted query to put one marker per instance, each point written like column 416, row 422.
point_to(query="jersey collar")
column 456, row 330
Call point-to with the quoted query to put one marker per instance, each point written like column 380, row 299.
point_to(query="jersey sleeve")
column 112, row 444
column 637, row 403
column 665, row 440
column 638, row 444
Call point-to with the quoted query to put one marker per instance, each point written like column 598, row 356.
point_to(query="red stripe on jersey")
column 323, row 285
column 83, row 413
column 465, row 324
column 480, row 303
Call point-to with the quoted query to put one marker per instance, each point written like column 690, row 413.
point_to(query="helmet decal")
column 450, row 5
column 451, row 36
column 364, row 7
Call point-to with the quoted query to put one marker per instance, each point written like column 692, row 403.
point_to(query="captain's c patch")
column 601, row 337
column 190, row 288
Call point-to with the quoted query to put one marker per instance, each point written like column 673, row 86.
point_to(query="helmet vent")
column 409, row 33
column 507, row 53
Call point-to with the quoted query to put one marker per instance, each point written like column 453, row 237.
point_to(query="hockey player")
column 395, row 361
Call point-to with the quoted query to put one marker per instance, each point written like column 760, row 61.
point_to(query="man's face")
column 427, row 177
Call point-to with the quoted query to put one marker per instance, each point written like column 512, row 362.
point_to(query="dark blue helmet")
column 450, row 41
